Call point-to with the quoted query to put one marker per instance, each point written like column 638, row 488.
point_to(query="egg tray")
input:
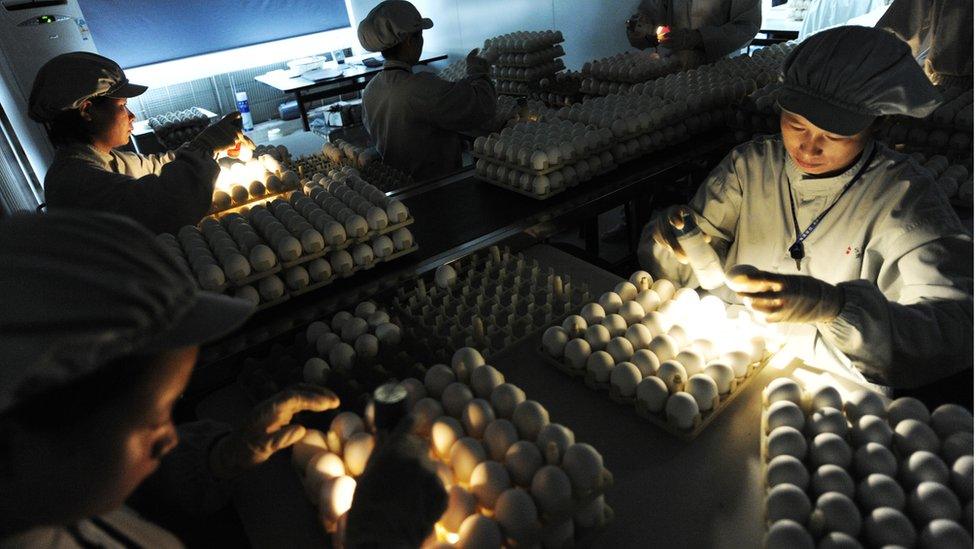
column 550, row 54
column 797, row 371
column 526, row 50
column 274, row 303
column 370, row 235
column 549, row 194
column 547, row 171
column 535, row 80
column 738, row 385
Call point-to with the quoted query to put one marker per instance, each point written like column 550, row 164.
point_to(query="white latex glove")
column 664, row 226
column 786, row 298
column 682, row 39
column 222, row 135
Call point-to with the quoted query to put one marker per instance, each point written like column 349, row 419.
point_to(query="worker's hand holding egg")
column 663, row 231
column 786, row 298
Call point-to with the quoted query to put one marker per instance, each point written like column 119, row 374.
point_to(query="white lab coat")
column 825, row 14
column 414, row 118
column 892, row 242
column 943, row 29
column 163, row 192
column 725, row 25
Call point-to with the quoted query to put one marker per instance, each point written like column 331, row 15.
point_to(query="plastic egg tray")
column 522, row 59
column 494, row 299
column 365, row 162
column 617, row 73
column 560, row 90
column 646, row 344
column 175, row 128
column 521, row 42
column 948, row 130
column 252, row 178
column 455, row 71
column 512, row 477
column 842, row 462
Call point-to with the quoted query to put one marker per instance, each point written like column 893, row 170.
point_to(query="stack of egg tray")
column 756, row 114
column 947, row 131
column 530, row 171
column 560, row 90
column 653, row 331
column 844, row 466
column 513, row 478
column 175, row 128
column 253, row 178
column 523, row 58
column 496, row 299
column 382, row 176
column 619, row 73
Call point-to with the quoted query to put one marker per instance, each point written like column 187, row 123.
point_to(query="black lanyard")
column 796, row 250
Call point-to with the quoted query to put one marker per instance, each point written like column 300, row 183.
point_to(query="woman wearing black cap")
column 81, row 97
column 853, row 242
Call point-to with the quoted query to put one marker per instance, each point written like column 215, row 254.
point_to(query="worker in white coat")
column 940, row 33
column 99, row 335
column 82, row 97
column 701, row 31
column 414, row 118
column 855, row 245
column 826, row 14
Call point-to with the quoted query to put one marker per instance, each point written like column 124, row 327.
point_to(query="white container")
column 245, row 110
column 701, row 256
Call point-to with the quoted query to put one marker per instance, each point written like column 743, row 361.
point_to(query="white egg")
column 704, row 390
column 437, row 378
column 522, row 460
column 922, row 466
column 646, row 361
column 782, row 413
column 554, row 341
column 878, row 490
column 344, row 426
column 488, row 480
column 620, row 349
column 693, row 361
column 388, row 334
column 639, row 336
column 723, row 375
column 599, row 365
column 912, row 435
column 444, row 432
column 950, row 418
column 874, row 458
column 831, row 478
column 353, row 328
column 466, row 454
column 445, row 276
column 356, row 452
column 336, row 496
column 862, row 403
column 615, row 324
column 552, row 490
column 641, row 280
column 838, row 540
column 680, row 335
column 786, row 441
column 826, row 397
column 931, row 500
column 944, row 534
column 648, row 300
column 829, row 448
column 516, row 514
column 783, row 389
column 476, row 417
column 322, row 466
column 632, row 312
column 887, row 526
column 464, row 360
column 367, row 346
column 461, row 504
column 827, row 420
column 787, row 534
column 593, row 313
column 664, row 347
column 681, row 409
column 576, row 353
column 574, row 326
column 315, row 371
column 835, row 512
column 961, row 476
column 652, row 394
column 499, row 435
column 956, row 445
column 597, row 336
column 627, row 291
column 455, row 397
column 505, row 398
column 739, row 361
column 529, row 418
column 584, row 466
column 664, row 288
column 907, row 408
column 624, row 379
column 314, row 442
column 673, row 374
column 553, row 440
column 484, row 379
column 657, row 323
column 787, row 470
column 424, row 413
column 786, row 501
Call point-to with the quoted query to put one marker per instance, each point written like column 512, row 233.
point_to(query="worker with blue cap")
column 849, row 242
column 414, row 117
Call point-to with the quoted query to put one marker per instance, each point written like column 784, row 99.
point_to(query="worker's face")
column 816, row 151
column 111, row 121
column 97, row 465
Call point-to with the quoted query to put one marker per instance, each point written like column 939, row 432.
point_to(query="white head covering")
column 69, row 79
column 388, row 23
column 83, row 289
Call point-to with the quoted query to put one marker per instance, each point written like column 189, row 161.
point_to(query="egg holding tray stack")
column 846, row 467
column 488, row 301
column 947, row 131
column 523, row 58
column 253, row 177
column 561, row 89
column 367, row 161
column 677, row 359
column 175, row 128
column 513, row 478
column 618, row 73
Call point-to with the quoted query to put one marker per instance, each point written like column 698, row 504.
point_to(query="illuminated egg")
column 461, row 504
column 455, row 397
column 341, row 261
column 646, row 361
column 516, row 514
column 786, row 441
column 484, row 379
column 315, row 371
column 922, row 466
column 444, row 432
column 664, row 347
column 704, row 347
column 679, row 335
column 552, row 491
column 353, row 328
column 872, row 429
column 887, row 526
column 641, row 280
column 686, row 297
column 951, row 418
column 673, row 374
column 783, row 388
column 704, row 390
column 722, row 374
column 681, row 410
column 835, row 512
column 415, row 390
column 221, row 201
column 651, row 394
column 863, row 403
column 574, row 326
column 445, row 276
column 693, row 361
column 476, row 417
column 239, row 195
column 388, row 334
column 464, row 360
column 319, row 270
column 437, row 378
column 356, row 452
column 488, row 480
column 787, row 470
column 826, row 420
column 657, row 323
column 878, row 490
column 554, row 341
column 597, row 336
column 499, row 436
column 522, row 460
column 957, row 445
column 592, row 313
column 826, row 397
column 553, row 440
column 648, row 300
column 874, row 458
column 615, row 324
column 712, row 307
column 829, row 448
column 620, row 349
column 584, row 466
column 782, row 413
column 479, row 532
column 311, row 444
column 344, row 426
column 907, row 408
column 788, row 534
column 505, row 398
column 322, row 466
column 912, row 435
column 382, row 247
column 336, row 497
column 325, row 343
column 466, row 454
column 424, row 413
column 739, row 361
column 664, row 288
column 631, row 312
column 931, row 500
column 944, row 534
column 786, row 501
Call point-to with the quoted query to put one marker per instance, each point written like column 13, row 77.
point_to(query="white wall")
column 592, row 28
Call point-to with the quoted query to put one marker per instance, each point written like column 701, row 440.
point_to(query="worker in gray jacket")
column 81, row 97
column 940, row 33
column 414, row 118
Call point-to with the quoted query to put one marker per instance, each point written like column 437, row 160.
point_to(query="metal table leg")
column 301, row 110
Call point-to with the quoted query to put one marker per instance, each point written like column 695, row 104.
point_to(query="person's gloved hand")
column 664, row 226
column 222, row 134
column 786, row 298
column 476, row 65
column 399, row 497
column 682, row 39
column 268, row 429
column 641, row 32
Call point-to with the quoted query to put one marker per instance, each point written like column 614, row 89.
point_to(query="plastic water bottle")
column 701, row 256
column 245, row 110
